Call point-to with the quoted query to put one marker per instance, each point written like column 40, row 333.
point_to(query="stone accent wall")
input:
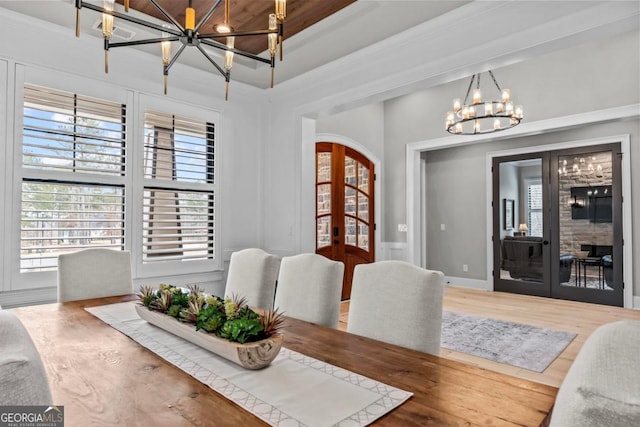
column 582, row 171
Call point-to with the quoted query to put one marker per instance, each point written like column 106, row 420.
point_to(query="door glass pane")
column 323, row 171
column 521, row 221
column 323, row 231
column 585, row 212
column 363, row 178
column 349, row 231
column 363, row 207
column 349, row 201
column 363, row 236
column 324, row 199
column 350, row 171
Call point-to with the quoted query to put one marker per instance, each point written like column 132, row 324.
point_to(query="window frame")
column 170, row 107
column 73, row 84
column 5, row 191
column 136, row 102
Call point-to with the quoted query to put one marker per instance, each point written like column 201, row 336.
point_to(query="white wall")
column 593, row 76
column 364, row 125
column 430, row 56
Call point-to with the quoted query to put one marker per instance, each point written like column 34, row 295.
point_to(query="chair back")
column 23, row 379
column 253, row 274
column 309, row 288
column 398, row 303
column 94, row 273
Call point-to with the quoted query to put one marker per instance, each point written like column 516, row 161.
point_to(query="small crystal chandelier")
column 190, row 35
column 483, row 116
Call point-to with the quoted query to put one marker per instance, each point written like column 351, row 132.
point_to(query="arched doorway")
column 345, row 224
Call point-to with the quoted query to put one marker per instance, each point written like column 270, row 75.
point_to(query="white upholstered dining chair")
column 23, row 379
column 309, row 288
column 398, row 303
column 253, row 274
column 94, row 273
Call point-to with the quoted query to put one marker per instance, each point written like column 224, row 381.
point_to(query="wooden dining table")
column 102, row 377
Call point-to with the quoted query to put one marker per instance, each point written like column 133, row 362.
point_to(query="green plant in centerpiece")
column 228, row 318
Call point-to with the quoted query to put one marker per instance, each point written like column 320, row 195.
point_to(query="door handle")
column 335, row 242
column 336, row 231
column 545, row 242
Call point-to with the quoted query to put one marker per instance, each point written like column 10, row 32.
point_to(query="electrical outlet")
column 441, row 227
column 402, row 228
column 465, row 267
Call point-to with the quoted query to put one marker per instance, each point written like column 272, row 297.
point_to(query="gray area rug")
column 515, row 344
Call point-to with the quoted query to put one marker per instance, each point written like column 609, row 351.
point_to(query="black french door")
column 557, row 221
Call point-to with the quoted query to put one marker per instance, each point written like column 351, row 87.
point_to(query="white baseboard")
column 463, row 282
column 636, row 303
column 11, row 299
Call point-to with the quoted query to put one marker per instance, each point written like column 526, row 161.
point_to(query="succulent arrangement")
column 228, row 318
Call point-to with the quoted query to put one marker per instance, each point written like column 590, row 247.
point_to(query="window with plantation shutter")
column 73, row 167
column 178, row 199
column 534, row 208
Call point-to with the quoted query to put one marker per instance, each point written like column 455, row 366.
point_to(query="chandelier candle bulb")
column 190, row 18
column 458, row 128
column 457, row 104
column 476, row 126
column 519, row 111
column 107, row 19
column 477, row 96
column 281, row 9
column 272, row 37
column 496, row 124
column 509, row 108
column 499, row 107
column 506, row 95
column 228, row 56
column 281, row 13
column 165, row 47
column 107, row 25
column 488, row 108
column 450, row 118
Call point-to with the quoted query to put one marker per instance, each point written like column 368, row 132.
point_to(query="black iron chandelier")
column 480, row 116
column 190, row 35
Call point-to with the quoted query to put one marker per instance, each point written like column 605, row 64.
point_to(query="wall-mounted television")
column 593, row 203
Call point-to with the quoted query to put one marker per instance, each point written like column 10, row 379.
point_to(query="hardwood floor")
column 577, row 317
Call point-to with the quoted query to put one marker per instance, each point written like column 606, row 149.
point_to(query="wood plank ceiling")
column 247, row 15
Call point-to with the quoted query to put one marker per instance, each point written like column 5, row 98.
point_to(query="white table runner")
column 295, row 390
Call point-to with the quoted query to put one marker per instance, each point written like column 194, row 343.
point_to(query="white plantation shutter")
column 71, row 133
column 178, row 201
column 73, row 167
column 534, row 208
